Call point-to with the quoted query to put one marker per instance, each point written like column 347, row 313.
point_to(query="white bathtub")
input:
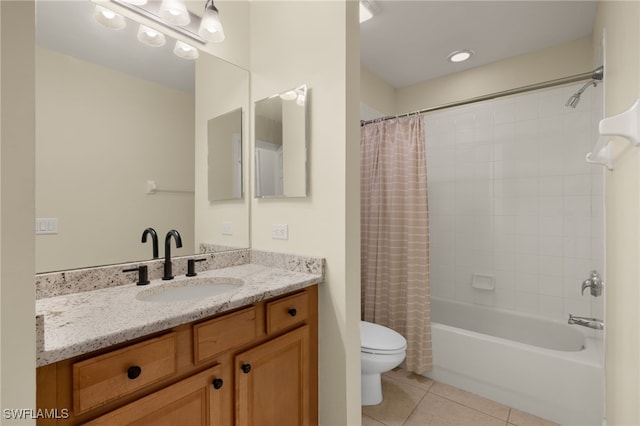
column 546, row 368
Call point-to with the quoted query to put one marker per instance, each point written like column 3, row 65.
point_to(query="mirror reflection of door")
column 269, row 169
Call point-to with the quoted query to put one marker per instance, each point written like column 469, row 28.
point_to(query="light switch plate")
column 280, row 231
column 46, row 225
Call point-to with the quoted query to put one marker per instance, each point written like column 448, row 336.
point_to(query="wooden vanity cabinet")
column 197, row 400
column 253, row 366
column 273, row 382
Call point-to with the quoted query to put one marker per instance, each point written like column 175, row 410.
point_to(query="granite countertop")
column 79, row 323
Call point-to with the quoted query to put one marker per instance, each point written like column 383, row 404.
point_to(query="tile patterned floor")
column 412, row 400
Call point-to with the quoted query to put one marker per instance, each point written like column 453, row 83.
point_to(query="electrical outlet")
column 280, row 231
column 227, row 228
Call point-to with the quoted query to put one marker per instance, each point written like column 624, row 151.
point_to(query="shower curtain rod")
column 517, row 90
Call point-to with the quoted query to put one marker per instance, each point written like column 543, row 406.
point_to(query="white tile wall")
column 511, row 195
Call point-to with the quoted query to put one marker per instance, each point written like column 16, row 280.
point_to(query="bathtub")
column 546, row 368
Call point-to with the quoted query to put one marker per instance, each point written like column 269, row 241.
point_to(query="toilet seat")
column 380, row 340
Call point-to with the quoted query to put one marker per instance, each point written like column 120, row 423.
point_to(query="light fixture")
column 460, row 55
column 169, row 14
column 174, row 12
column 366, row 12
column 136, row 2
column 185, row 51
column 150, row 37
column 210, row 25
column 289, row 96
column 301, row 99
column 109, row 18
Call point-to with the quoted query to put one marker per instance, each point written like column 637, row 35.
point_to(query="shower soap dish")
column 626, row 124
column 482, row 282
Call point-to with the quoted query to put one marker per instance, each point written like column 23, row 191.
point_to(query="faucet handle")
column 143, row 274
column 191, row 267
column 594, row 282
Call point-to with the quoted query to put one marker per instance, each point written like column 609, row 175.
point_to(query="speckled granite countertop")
column 79, row 323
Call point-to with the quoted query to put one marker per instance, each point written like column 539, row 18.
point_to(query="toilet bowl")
column 381, row 349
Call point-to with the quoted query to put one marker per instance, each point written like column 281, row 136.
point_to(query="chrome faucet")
column 594, row 282
column 594, row 323
column 168, row 272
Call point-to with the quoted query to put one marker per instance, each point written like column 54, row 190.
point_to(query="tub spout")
column 594, row 323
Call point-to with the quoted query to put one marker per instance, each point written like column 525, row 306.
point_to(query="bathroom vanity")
column 245, row 357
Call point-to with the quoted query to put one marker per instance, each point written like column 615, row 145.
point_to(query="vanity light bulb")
column 109, row 18
column 289, row 96
column 150, row 37
column 184, row 51
column 174, row 12
column 210, row 26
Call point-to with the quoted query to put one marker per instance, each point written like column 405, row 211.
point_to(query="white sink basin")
column 189, row 289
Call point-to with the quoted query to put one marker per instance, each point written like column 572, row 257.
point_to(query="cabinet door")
column 194, row 401
column 272, row 382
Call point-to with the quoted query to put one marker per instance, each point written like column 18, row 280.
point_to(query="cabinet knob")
column 292, row 312
column 133, row 372
column 246, row 368
column 217, row 383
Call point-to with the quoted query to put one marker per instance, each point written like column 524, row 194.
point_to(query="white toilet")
column 381, row 349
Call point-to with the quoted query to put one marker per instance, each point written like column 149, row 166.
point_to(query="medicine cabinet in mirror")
column 281, row 145
column 224, row 141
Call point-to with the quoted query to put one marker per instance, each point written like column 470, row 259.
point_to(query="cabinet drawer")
column 286, row 312
column 218, row 335
column 112, row 375
column 196, row 400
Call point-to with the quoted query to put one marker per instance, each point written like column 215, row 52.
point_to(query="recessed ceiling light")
column 365, row 12
column 460, row 55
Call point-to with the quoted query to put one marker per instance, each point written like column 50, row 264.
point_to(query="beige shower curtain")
column 395, row 233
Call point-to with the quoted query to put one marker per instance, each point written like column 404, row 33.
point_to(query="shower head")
column 596, row 77
column 573, row 100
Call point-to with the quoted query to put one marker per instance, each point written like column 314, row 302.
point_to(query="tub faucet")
column 594, row 282
column 594, row 323
column 154, row 237
column 168, row 272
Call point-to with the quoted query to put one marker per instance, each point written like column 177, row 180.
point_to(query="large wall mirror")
column 113, row 114
column 281, row 145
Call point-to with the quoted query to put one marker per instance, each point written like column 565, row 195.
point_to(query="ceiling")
column 408, row 42
column 405, row 43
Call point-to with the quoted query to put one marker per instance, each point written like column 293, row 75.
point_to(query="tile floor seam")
column 416, row 406
column 401, row 382
column 407, row 383
column 472, row 408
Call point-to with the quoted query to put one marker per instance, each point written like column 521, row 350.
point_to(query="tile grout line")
column 418, row 403
column 472, row 408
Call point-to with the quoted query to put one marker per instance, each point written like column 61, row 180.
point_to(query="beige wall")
column 290, row 46
column 376, row 93
column 101, row 134
column 220, row 87
column 17, row 182
column 544, row 65
column 620, row 23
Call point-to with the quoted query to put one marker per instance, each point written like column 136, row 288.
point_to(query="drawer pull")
column 217, row 383
column 246, row 368
column 134, row 372
column 292, row 312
